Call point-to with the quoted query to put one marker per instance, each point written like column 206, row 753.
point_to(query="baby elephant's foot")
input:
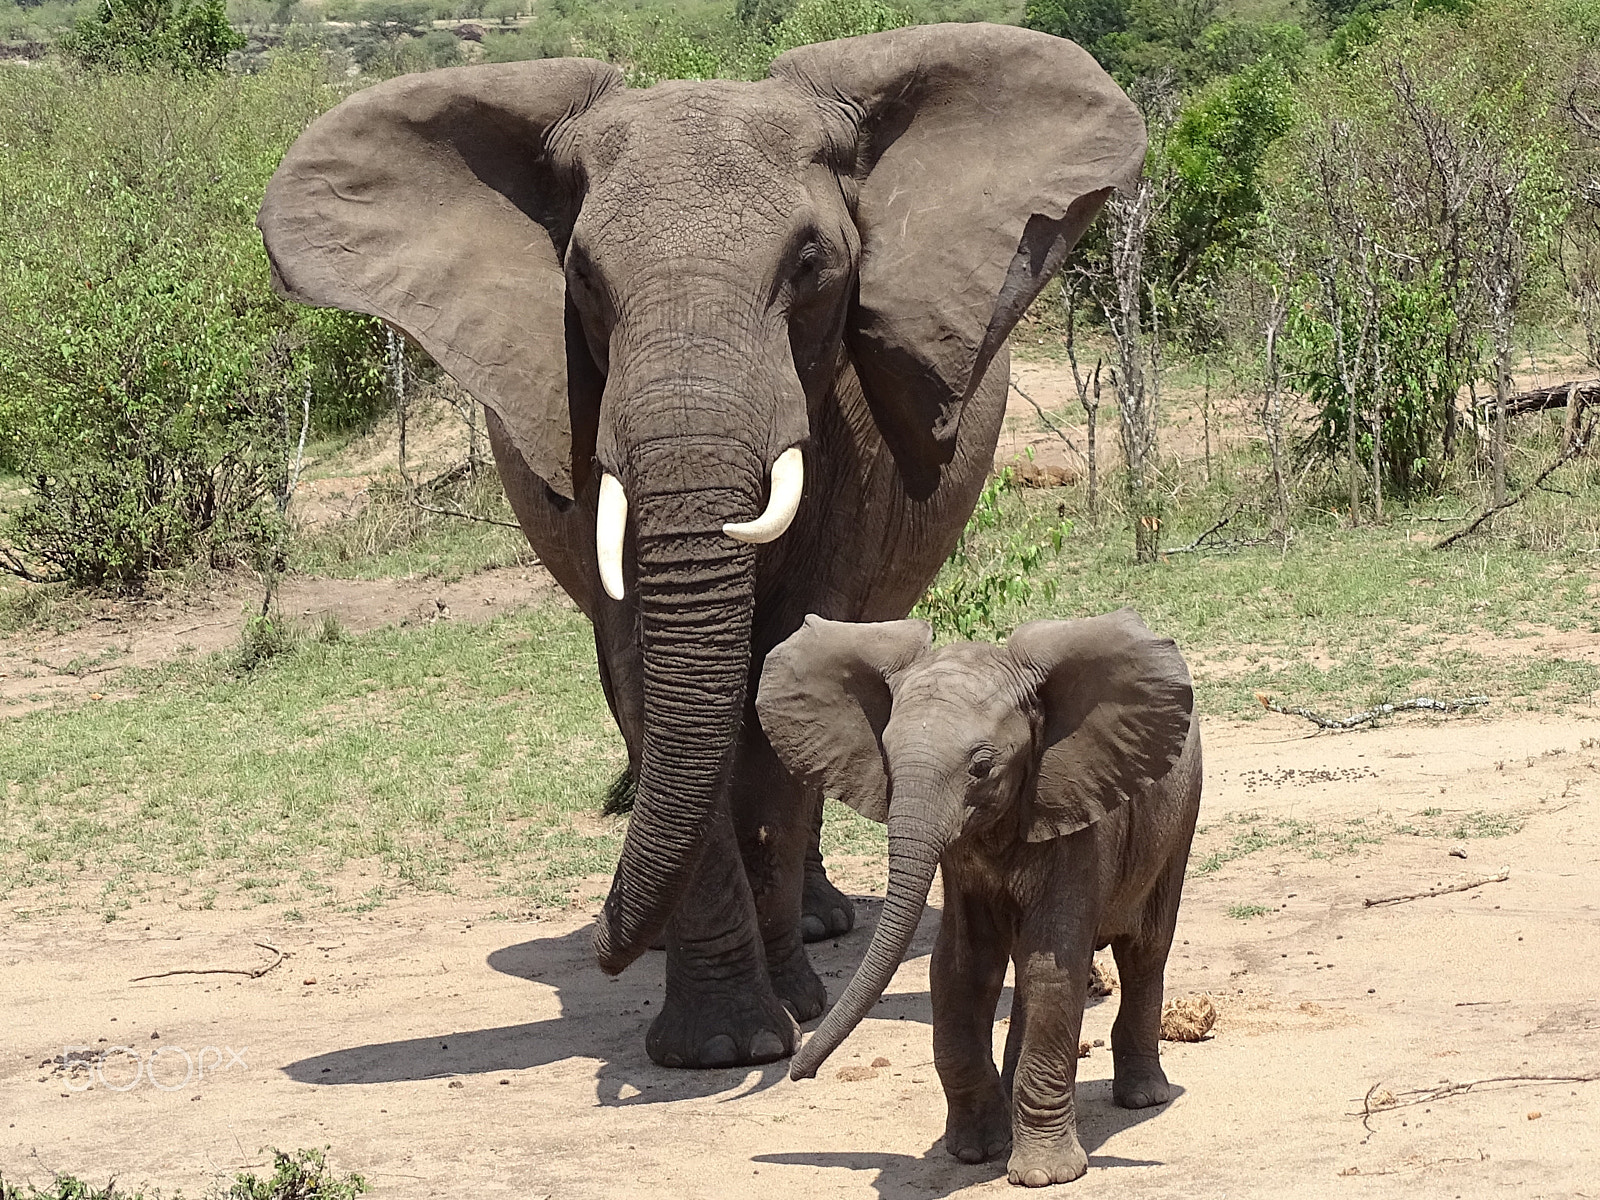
column 976, row 1133
column 1140, row 1082
column 1038, row 1166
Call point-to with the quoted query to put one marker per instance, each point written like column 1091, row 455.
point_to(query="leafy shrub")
column 137, row 35
column 994, row 566
column 826, row 20
column 302, row 1175
column 151, row 385
column 266, row 636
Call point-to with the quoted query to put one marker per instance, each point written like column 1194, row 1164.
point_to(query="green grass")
column 1346, row 619
column 423, row 756
column 1243, row 912
column 1240, row 834
column 390, row 538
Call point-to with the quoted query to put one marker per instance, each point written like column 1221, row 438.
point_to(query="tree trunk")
column 1355, row 459
column 1091, row 410
column 1502, row 388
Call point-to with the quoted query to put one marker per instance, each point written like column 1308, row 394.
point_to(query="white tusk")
column 788, row 481
column 611, row 524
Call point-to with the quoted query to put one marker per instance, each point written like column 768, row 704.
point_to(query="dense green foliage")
column 136, row 35
column 1346, row 163
column 151, row 385
column 1415, row 214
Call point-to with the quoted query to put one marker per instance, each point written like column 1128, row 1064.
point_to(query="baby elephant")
column 1057, row 780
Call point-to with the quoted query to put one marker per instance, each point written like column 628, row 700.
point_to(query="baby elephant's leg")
column 967, row 975
column 1136, row 1034
column 1051, row 982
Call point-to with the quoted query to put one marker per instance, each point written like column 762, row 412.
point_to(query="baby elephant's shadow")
column 936, row 1173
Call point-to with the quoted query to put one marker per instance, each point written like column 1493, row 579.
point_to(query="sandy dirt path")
column 442, row 1053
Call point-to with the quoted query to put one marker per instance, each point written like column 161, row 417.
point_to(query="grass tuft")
column 297, row 1175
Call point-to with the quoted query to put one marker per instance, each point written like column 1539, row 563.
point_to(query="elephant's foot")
column 977, row 1132
column 796, row 984
column 825, row 911
column 1139, row 1080
column 1058, row 1161
column 722, row 1029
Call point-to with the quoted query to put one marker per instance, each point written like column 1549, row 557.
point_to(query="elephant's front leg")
column 773, row 816
column 966, row 976
column 825, row 911
column 720, row 1008
column 1053, row 969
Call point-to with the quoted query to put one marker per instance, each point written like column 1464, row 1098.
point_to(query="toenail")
column 719, row 1052
column 766, row 1046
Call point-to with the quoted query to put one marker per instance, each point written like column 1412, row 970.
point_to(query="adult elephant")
column 743, row 347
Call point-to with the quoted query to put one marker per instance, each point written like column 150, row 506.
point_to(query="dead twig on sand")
column 1498, row 877
column 253, row 973
column 1379, row 1099
column 1355, row 720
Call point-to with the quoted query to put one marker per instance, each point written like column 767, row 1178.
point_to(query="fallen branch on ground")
column 1557, row 395
column 1048, row 423
column 1579, row 443
column 1419, row 704
column 1204, row 542
column 1379, row 1100
column 1499, row 877
column 254, row 973
column 465, row 516
column 12, row 564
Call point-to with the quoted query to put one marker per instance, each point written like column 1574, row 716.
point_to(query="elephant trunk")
column 696, row 596
column 915, row 845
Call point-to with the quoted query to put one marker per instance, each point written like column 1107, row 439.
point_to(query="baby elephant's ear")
column 1117, row 705
column 824, row 700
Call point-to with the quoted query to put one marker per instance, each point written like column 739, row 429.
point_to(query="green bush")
column 136, row 35
column 152, row 387
column 996, row 566
column 301, row 1175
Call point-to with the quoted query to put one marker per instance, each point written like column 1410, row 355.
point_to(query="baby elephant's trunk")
column 915, row 845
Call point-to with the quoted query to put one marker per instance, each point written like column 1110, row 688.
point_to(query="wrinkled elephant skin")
column 742, row 345
column 1056, row 781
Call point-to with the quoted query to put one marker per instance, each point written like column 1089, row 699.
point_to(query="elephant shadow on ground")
column 936, row 1173
column 601, row 1018
column 604, row 1018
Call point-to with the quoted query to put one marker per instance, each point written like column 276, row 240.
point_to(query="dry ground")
column 443, row 1051
column 445, row 1054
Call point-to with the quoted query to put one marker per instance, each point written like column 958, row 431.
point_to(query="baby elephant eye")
column 981, row 766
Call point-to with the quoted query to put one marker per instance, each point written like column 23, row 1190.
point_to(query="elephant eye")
column 807, row 262
column 981, row 766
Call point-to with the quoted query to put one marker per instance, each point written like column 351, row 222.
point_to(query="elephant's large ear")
column 431, row 201
column 1117, row 705
column 984, row 151
column 824, row 700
